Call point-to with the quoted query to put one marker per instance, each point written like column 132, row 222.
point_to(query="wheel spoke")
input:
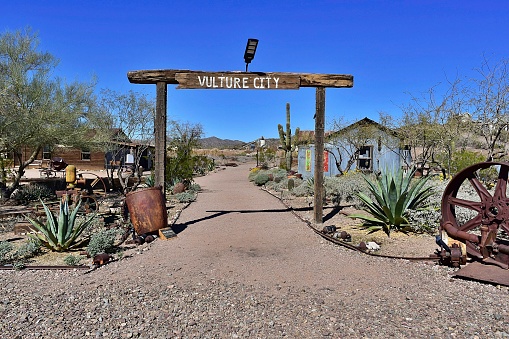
column 473, row 205
column 501, row 188
column 471, row 224
column 480, row 189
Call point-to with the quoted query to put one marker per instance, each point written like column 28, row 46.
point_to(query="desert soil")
column 243, row 266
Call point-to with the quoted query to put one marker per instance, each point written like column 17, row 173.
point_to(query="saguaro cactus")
column 286, row 138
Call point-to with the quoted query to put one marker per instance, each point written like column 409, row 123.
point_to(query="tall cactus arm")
column 282, row 137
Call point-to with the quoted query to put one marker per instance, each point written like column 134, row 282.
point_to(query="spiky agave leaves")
column 60, row 233
column 393, row 196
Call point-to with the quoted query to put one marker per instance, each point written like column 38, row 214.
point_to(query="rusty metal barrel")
column 147, row 209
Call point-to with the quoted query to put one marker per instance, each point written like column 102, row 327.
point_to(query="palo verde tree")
column 182, row 138
column 489, row 105
column 37, row 109
column 126, row 126
column 433, row 124
column 288, row 144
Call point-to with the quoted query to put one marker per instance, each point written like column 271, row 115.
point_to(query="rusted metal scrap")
column 482, row 235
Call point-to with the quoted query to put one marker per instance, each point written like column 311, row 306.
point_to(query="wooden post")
column 160, row 135
column 319, row 148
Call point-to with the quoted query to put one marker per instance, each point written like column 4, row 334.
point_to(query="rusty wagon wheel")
column 95, row 186
column 476, row 219
column 88, row 204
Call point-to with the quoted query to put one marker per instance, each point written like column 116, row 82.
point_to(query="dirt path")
column 243, row 267
column 237, row 232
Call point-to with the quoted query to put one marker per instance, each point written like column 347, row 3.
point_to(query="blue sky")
column 392, row 48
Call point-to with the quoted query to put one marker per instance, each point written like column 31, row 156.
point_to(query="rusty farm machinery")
column 474, row 226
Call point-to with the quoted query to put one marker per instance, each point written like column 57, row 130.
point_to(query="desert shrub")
column 279, row 174
column 194, row 187
column 253, row 173
column 344, row 188
column 19, row 256
column 261, row 179
column 202, row 164
column 424, row 221
column 73, row 260
column 302, row 188
column 277, row 186
column 179, row 168
column 185, row 197
column 28, row 250
column 460, row 160
column 102, row 242
column 33, row 192
column 92, row 227
column 5, row 250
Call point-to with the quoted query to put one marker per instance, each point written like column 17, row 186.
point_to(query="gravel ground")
column 243, row 267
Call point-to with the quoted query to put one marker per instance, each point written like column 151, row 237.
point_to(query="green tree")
column 182, row 139
column 433, row 124
column 489, row 105
column 36, row 109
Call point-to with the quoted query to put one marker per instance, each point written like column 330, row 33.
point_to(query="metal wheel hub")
column 483, row 231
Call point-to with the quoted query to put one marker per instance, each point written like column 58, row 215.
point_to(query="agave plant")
column 394, row 195
column 60, row 233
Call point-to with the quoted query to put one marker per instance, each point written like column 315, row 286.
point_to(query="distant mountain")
column 214, row 142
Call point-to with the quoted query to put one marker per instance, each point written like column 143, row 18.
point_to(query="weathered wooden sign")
column 237, row 81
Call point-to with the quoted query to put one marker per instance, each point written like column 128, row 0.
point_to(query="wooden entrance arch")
column 186, row 79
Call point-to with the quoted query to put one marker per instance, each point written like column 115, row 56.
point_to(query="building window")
column 365, row 158
column 85, row 155
column 46, row 153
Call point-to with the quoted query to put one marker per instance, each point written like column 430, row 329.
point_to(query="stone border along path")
column 243, row 267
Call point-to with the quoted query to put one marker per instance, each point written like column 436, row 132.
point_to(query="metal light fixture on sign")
column 249, row 54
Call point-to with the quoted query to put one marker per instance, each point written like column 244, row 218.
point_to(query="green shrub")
column 5, row 250
column 394, row 195
column 60, row 233
column 102, row 242
column 194, row 187
column 344, row 188
column 279, row 175
column 425, row 220
column 202, row 164
column 185, row 197
column 8, row 253
column 253, row 173
column 73, row 260
column 302, row 188
column 28, row 250
column 261, row 179
column 462, row 159
column 32, row 192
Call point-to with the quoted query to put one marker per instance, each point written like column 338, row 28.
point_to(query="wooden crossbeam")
column 169, row 76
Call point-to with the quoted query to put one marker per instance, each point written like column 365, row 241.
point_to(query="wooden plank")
column 160, row 135
column 169, row 76
column 319, row 148
column 236, row 81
